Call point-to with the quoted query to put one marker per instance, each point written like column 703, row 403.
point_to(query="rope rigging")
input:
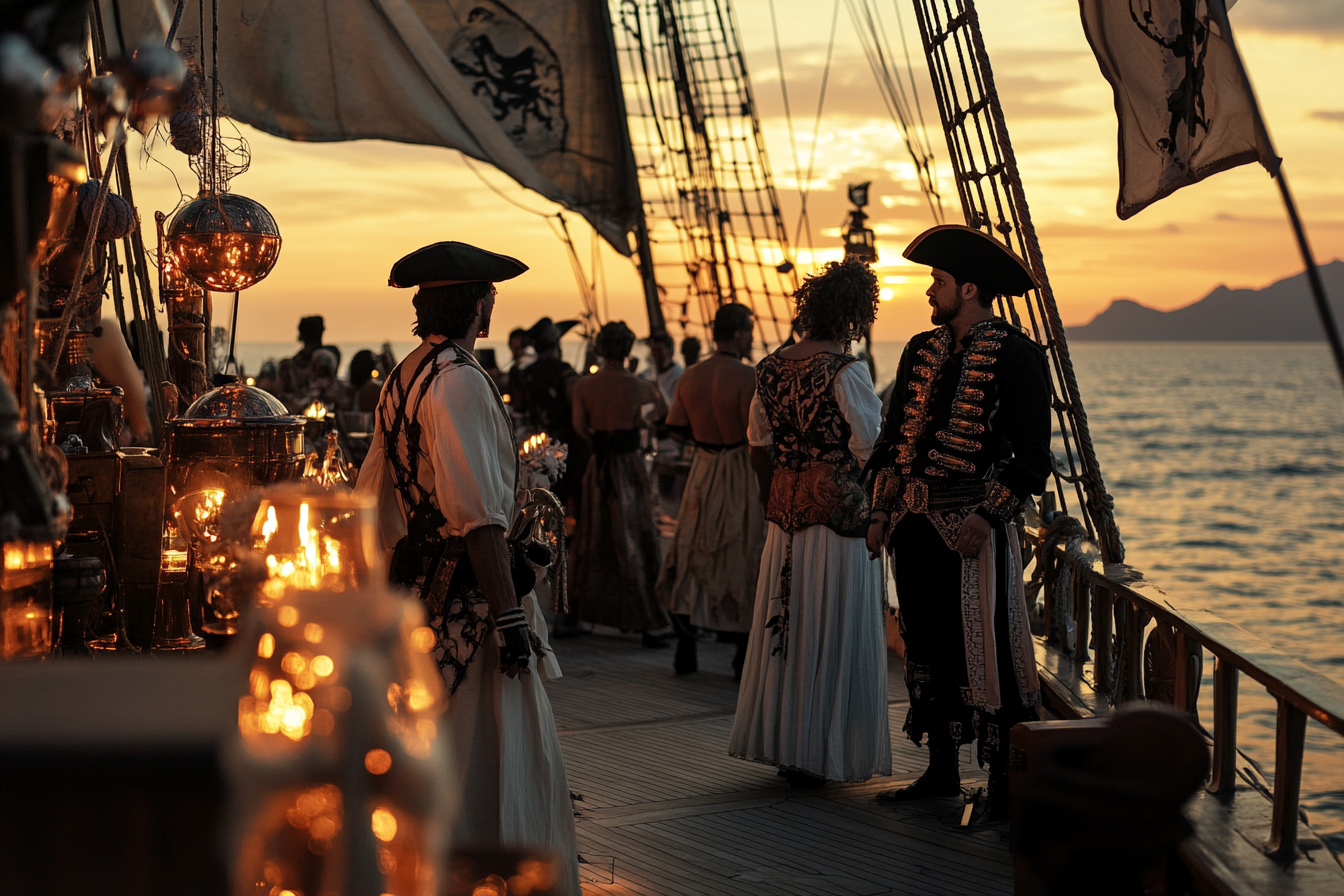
column 992, row 199
column 701, row 159
column 804, row 220
column 881, row 60
column 560, row 227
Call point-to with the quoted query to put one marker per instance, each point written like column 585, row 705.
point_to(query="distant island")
column 1281, row 312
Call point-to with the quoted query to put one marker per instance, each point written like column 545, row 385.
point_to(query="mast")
column 653, row 304
column 992, row 199
column 701, row 159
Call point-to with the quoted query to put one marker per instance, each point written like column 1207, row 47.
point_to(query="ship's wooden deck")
column 664, row 811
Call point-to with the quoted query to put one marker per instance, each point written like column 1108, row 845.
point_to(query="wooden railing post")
column 1289, row 739
column 1103, row 626
column 1182, row 692
column 1082, row 615
column 1224, row 780
column 1131, row 687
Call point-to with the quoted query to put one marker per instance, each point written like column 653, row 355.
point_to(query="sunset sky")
column 348, row 210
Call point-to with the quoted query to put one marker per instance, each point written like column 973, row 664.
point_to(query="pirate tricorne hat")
column 546, row 332
column 447, row 263
column 972, row 256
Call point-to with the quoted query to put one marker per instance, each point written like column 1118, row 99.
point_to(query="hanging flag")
column 1183, row 101
column 530, row 87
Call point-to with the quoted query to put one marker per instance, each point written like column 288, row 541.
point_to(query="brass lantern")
column 224, row 241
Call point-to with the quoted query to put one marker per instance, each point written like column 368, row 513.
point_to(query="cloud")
column 1033, row 85
column 1323, row 19
column 1335, row 115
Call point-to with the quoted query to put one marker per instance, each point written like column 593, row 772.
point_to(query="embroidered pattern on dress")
column 459, row 633
column 779, row 622
column 816, row 478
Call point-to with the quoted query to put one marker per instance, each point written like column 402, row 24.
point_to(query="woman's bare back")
column 610, row 400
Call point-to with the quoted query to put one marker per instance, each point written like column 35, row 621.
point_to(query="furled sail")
column 530, row 87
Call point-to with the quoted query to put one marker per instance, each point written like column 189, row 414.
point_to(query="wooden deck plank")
column 648, row 751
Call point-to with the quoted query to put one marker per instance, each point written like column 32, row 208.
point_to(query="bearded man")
column 966, row 443
column 443, row 467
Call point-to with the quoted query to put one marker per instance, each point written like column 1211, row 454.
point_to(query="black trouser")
column 928, row 586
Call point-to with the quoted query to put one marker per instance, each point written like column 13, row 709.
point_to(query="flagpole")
column 1219, row 10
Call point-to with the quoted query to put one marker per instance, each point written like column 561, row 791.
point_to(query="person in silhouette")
column 615, row 548
column 708, row 579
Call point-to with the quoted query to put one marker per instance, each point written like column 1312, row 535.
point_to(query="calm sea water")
column 1227, row 466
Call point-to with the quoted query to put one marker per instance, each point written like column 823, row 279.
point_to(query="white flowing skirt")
column 507, row 756
column 821, row 706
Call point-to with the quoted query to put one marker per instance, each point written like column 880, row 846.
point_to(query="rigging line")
column 585, row 293
column 872, row 38
column 500, row 193
column 919, row 109
column 925, row 151
column 921, row 136
column 889, row 64
column 803, row 216
column 233, row 336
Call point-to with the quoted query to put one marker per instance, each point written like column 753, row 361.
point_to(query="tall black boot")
column 941, row 779
column 685, row 661
column 996, row 802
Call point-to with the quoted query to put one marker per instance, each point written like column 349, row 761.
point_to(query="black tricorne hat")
column 972, row 256
column 446, row 263
column 547, row 332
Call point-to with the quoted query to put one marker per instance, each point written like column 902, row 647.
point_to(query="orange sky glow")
column 347, row 211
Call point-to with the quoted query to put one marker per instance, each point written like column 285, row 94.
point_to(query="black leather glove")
column 511, row 634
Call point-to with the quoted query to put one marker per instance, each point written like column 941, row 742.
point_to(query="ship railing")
column 1111, row 637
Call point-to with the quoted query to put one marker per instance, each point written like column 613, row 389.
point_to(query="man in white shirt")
column 443, row 467
column 664, row 373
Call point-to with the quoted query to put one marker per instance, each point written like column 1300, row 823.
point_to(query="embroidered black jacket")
column 958, row 419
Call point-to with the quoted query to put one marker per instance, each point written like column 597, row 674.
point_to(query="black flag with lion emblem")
column 1183, row 101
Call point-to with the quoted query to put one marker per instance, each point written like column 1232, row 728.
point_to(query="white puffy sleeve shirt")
column 858, row 403
column 466, row 456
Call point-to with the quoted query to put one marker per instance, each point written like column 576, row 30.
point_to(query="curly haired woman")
column 813, row 699
column 616, row 553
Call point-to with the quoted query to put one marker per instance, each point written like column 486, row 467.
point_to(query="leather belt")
column 924, row 495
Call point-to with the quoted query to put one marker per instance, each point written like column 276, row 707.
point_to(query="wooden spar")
column 1275, row 166
column 653, row 305
column 148, row 340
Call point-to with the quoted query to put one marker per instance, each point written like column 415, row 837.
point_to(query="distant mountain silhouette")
column 1281, row 312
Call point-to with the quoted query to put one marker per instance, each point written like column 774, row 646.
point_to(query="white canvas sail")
column 1182, row 100
column 530, row 87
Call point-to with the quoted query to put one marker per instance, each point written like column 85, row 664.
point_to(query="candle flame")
column 318, row 559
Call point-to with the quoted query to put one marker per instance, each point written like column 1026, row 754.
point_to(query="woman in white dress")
column 813, row 699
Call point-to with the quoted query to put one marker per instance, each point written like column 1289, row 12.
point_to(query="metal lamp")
column 224, row 241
